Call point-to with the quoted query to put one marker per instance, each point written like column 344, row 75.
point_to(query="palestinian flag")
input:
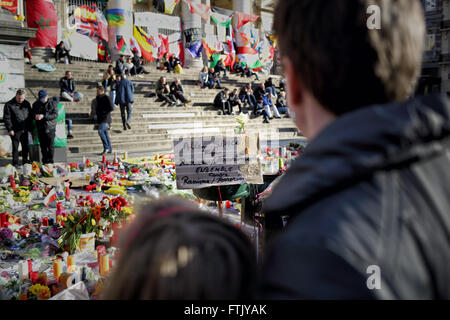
column 221, row 19
column 116, row 17
column 10, row 5
column 121, row 44
column 214, row 60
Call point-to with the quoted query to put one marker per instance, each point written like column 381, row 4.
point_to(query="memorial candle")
column 57, row 268
column 104, row 265
column 71, row 264
column 30, row 266
column 104, row 159
column 12, row 182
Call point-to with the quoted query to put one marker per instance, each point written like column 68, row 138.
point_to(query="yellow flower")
column 127, row 210
column 71, row 218
column 64, row 219
column 60, row 240
column 100, row 234
column 93, row 222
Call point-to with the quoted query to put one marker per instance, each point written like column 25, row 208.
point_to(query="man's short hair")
column 343, row 63
column 21, row 92
column 226, row 89
column 100, row 87
column 68, row 72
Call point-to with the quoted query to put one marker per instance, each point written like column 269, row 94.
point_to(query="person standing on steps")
column 125, row 99
column 18, row 122
column 45, row 112
column 104, row 107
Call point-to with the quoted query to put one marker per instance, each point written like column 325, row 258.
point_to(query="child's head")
column 175, row 251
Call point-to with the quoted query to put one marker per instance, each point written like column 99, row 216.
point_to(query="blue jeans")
column 103, row 133
column 113, row 96
column 69, row 125
column 272, row 90
column 128, row 108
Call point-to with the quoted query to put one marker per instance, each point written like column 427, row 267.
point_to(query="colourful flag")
column 10, row 5
column 221, row 19
column 244, row 18
column 41, row 14
column 208, row 50
column 121, row 44
column 101, row 51
column 50, row 197
column 196, row 49
column 201, row 9
column 116, row 17
column 214, row 60
column 102, row 26
column 144, row 42
column 88, row 29
column 231, row 57
column 169, row 6
column 164, row 45
column 134, row 46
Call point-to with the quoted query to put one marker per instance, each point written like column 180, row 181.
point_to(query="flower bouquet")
column 242, row 120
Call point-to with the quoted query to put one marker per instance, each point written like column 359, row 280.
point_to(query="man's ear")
column 294, row 84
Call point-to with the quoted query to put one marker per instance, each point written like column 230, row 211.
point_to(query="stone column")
column 192, row 28
column 125, row 29
column 204, row 24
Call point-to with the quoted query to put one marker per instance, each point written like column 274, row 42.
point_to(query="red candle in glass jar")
column 34, row 276
column 104, row 159
column 30, row 267
column 228, row 204
column 45, row 222
column 2, row 220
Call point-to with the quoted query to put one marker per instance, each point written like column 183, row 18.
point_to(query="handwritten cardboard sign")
column 215, row 161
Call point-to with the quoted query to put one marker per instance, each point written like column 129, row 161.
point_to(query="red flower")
column 134, row 170
column 63, row 224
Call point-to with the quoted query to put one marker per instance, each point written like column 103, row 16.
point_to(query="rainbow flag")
column 116, row 17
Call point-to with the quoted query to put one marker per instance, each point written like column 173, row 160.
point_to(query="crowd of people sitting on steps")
column 115, row 90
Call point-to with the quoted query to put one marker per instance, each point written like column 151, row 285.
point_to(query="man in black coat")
column 221, row 101
column 367, row 204
column 18, row 122
column 137, row 61
column 61, row 52
column 45, row 112
column 176, row 92
column 103, row 109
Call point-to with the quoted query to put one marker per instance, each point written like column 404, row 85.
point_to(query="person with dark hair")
column 221, row 101
column 283, row 84
column 261, row 109
column 45, row 112
column 233, row 100
column 163, row 92
column 175, row 251
column 120, row 65
column 137, row 61
column 129, row 67
column 247, row 72
column 17, row 117
column 260, row 92
column 203, row 77
column 367, row 204
column 176, row 92
column 61, row 52
column 238, row 68
column 219, row 68
column 109, row 80
column 27, row 55
column 247, row 97
column 103, row 109
column 213, row 78
column 67, row 86
column 125, row 99
column 270, row 87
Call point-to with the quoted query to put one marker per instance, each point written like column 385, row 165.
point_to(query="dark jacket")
column 220, row 98
column 17, row 116
column 370, row 190
column 281, row 102
column 136, row 61
column 65, row 83
column 104, row 107
column 125, row 90
column 212, row 76
column 50, row 112
column 175, row 88
column 219, row 66
column 120, row 66
column 233, row 98
column 260, row 93
column 160, row 88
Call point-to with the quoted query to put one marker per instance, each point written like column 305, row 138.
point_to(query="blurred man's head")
column 332, row 60
column 20, row 95
column 100, row 90
column 122, row 57
column 118, row 77
column 42, row 96
column 68, row 75
column 177, row 81
column 162, row 79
